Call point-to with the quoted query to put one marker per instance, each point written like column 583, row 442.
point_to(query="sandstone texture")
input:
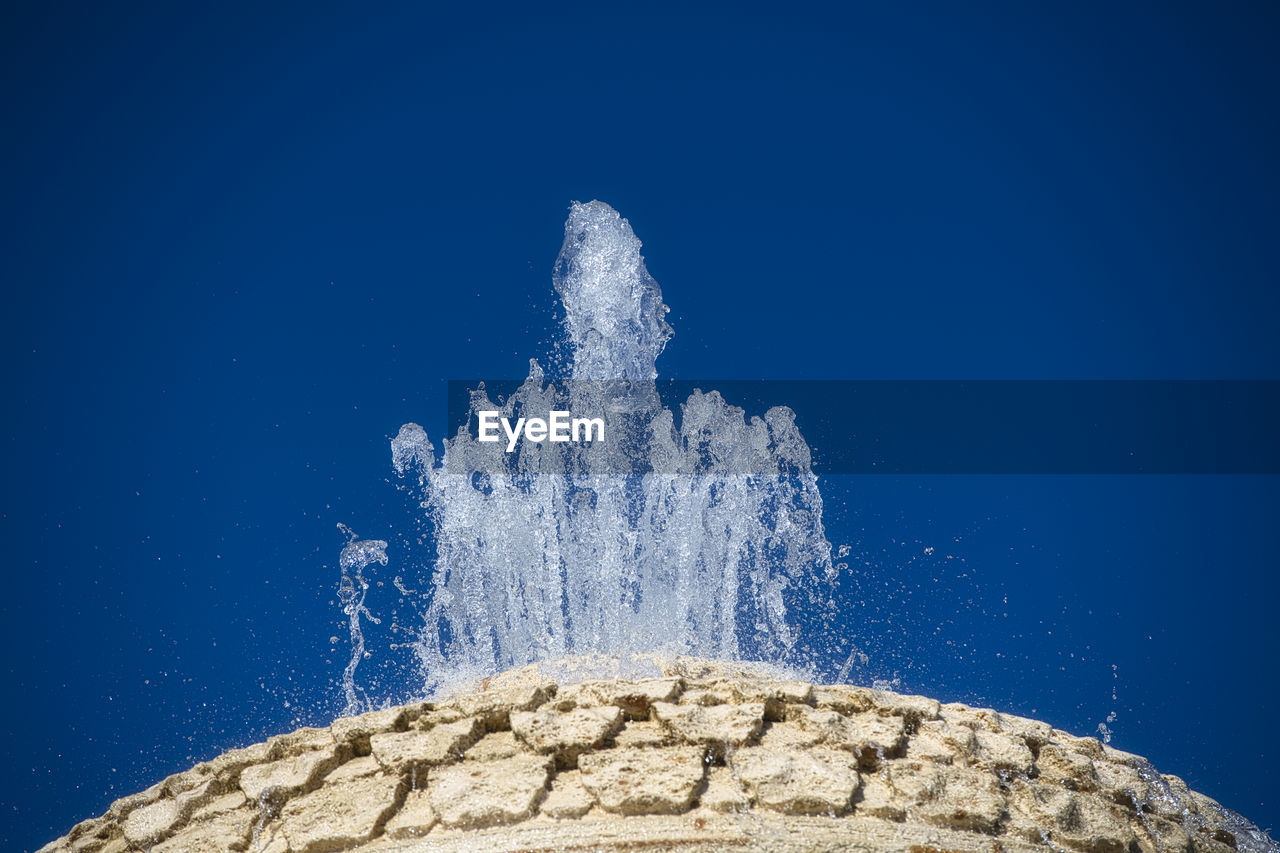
column 706, row 757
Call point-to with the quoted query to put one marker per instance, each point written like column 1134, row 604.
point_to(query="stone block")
column 634, row 698
column 876, row 798
column 486, row 793
column 723, row 793
column 339, row 815
column 287, row 776
column 493, row 746
column 970, row 800
column 222, row 832
column 441, row 744
column 1067, row 767
column 1004, row 752
column 1055, row 815
column 568, row 798
column 663, row 780
column 714, row 725
column 639, row 735
column 566, row 735
column 869, row 736
column 415, row 818
column 813, row 782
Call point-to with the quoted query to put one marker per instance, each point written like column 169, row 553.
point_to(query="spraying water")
column 694, row 537
column 352, row 591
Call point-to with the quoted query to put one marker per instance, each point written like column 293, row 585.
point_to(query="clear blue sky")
column 243, row 243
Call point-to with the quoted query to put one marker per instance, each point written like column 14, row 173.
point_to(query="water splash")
column 614, row 314
column 700, row 535
column 352, row 590
column 1105, row 732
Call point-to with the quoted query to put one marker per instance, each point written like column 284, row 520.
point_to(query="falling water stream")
column 698, row 532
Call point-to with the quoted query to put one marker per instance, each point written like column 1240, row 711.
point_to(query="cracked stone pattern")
column 811, row 781
column 340, row 814
column 708, row 757
column 644, row 781
column 487, row 793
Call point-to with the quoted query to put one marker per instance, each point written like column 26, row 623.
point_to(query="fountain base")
column 682, row 754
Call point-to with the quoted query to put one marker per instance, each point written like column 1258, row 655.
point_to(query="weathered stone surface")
column 844, row 698
column 775, row 696
column 224, row 803
column 736, row 760
column 158, row 820
column 915, row 709
column 1125, row 783
column 566, row 735
column 300, row 741
column 1033, row 732
column 477, row 794
column 968, row 800
column 125, row 805
column 812, row 782
column 354, row 769
column 364, row 726
column 492, row 747
column 494, row 707
column 1067, row 767
column 715, row 725
column 1174, row 798
column 97, row 828
column 152, row 822
column 877, row 798
column 415, row 818
column 269, row 838
column 651, row 781
column 787, row 692
column 634, row 698
column 339, row 815
column 1003, row 752
column 960, row 798
column 866, row 735
column 287, row 775
column 723, row 792
column 1067, row 818
column 434, row 716
column 788, row 736
column 938, row 740
column 568, row 797
column 446, row 742
column 634, row 735
column 707, row 695
column 223, row 832
column 182, row 783
column 914, row 781
column 233, row 761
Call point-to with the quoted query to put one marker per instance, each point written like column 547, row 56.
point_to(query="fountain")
column 645, row 554
column 691, row 536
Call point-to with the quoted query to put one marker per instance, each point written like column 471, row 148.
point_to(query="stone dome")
column 698, row 756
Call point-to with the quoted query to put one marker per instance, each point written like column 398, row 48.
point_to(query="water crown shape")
column 693, row 538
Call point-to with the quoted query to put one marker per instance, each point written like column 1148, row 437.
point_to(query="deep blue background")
column 242, row 245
